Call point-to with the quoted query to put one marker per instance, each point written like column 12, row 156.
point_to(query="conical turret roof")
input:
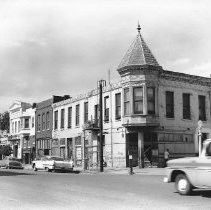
column 138, row 54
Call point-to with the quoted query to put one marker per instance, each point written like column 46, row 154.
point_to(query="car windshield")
column 56, row 158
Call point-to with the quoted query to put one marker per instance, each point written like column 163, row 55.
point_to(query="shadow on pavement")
column 198, row 192
column 203, row 193
column 69, row 172
column 13, row 173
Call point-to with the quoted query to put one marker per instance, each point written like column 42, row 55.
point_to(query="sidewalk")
column 124, row 171
column 116, row 171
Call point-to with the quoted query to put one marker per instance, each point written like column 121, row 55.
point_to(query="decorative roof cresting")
column 138, row 53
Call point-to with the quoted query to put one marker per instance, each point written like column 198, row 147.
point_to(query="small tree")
column 5, row 150
column 5, row 121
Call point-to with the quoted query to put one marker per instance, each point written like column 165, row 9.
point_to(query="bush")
column 5, row 150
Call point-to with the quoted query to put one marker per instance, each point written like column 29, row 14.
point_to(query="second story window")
column 26, row 124
column 43, row 121
column 151, row 100
column 19, row 126
column 55, row 120
column 62, row 118
column 96, row 113
column 169, row 104
column 138, row 100
column 77, row 116
column 186, row 106
column 32, row 122
column 118, row 106
column 69, row 117
column 106, row 108
column 126, row 101
column 38, row 123
column 202, row 108
column 47, row 121
column 15, row 127
column 86, row 112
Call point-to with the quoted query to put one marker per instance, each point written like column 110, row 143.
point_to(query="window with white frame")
column 138, row 100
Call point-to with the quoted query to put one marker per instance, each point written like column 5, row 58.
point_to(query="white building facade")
column 148, row 111
column 22, row 130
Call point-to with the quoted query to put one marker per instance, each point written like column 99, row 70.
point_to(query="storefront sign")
column 78, row 153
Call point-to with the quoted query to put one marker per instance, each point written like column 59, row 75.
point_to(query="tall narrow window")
column 47, row 121
column 86, row 112
column 38, row 123
column 186, row 105
column 43, row 121
column 126, row 101
column 19, row 126
column 118, row 106
column 138, row 100
column 15, row 127
column 169, row 104
column 69, row 117
column 62, row 118
column 26, row 123
column 96, row 113
column 55, row 120
column 32, row 122
column 106, row 109
column 77, row 116
column 202, row 108
column 151, row 100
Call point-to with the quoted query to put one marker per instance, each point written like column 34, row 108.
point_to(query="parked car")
column 11, row 162
column 52, row 163
column 192, row 172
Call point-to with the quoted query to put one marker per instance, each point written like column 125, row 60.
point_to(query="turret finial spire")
column 138, row 28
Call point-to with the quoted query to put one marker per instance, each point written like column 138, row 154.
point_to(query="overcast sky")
column 57, row 47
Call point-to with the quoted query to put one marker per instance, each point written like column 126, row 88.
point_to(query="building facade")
column 44, row 125
column 148, row 111
column 22, row 131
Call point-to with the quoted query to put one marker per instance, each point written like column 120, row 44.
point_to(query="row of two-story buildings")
column 148, row 110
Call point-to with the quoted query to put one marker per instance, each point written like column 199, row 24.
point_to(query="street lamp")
column 100, row 85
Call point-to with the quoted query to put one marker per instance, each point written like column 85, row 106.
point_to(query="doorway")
column 69, row 148
column 132, row 148
column 27, row 158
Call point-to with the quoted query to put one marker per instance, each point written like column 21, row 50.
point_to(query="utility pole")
column 200, row 124
column 101, row 84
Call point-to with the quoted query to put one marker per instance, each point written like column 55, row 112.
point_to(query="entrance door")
column 69, row 148
column 27, row 161
column 150, row 148
column 132, row 148
column 15, row 151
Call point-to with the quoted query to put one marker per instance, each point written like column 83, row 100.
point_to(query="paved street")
column 25, row 189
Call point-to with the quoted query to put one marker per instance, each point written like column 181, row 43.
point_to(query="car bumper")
column 63, row 168
column 167, row 177
column 165, row 180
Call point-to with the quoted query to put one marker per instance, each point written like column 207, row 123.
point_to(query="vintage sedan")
column 52, row 163
column 192, row 172
column 11, row 162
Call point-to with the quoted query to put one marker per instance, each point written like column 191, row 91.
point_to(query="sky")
column 63, row 47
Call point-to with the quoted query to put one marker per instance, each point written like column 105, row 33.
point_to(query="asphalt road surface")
column 42, row 190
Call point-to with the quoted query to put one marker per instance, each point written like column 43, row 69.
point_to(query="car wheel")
column 48, row 170
column 34, row 167
column 182, row 185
